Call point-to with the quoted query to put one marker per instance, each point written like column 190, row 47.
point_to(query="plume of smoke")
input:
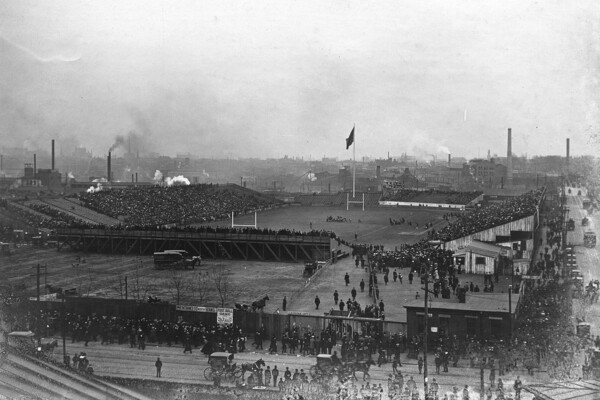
column 119, row 141
column 96, row 189
column 158, row 177
column 443, row 149
column 311, row 177
column 97, row 180
column 178, row 180
column 205, row 173
column 70, row 175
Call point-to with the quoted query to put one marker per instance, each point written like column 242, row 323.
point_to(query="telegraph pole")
column 425, row 383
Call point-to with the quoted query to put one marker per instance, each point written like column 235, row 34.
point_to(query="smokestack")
column 108, row 172
column 568, row 150
column 509, row 168
column 34, row 166
column 52, row 154
column 449, row 160
column 378, row 172
column 136, row 178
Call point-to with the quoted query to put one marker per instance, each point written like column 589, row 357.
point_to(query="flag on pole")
column 350, row 139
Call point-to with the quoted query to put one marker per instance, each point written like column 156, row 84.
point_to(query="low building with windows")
column 483, row 315
column 482, row 258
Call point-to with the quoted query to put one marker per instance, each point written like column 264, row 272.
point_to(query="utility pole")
column 64, row 331
column 425, row 383
column 125, row 287
column 510, row 321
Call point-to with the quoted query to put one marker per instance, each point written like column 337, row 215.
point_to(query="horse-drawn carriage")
column 328, row 366
column 220, row 365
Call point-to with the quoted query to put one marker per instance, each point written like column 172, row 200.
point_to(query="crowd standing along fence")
column 274, row 323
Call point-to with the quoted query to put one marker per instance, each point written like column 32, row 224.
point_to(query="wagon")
column 220, row 366
column 325, row 367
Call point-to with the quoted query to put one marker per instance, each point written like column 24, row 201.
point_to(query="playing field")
column 371, row 226
column 104, row 275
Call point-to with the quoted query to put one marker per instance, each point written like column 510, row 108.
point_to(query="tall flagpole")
column 354, row 163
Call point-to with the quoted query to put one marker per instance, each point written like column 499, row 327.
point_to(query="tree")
column 221, row 278
column 201, row 291
column 179, row 281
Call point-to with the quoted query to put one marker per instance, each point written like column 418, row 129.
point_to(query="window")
column 472, row 326
column 480, row 260
column 496, row 326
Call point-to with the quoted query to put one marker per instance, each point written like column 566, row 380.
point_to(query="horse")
column 363, row 366
column 252, row 367
column 260, row 304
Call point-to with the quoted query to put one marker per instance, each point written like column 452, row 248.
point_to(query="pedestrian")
column 347, row 279
column 518, row 386
column 420, row 365
column 466, row 392
column 386, row 279
column 395, row 276
column 400, row 278
column 187, row 346
column 281, row 385
column 284, row 302
column 336, row 296
column 410, row 277
column 275, row 374
column 381, row 306
column 317, row 302
column 492, row 377
column 158, row 365
column 342, row 305
column 362, row 285
column 268, row 376
column 438, row 362
column 353, row 293
column 287, row 374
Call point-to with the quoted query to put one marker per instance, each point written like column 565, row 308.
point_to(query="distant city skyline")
column 266, row 79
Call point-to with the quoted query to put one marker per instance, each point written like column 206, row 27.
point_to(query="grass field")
column 374, row 226
column 104, row 275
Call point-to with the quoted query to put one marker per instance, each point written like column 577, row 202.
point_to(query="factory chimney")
column 108, row 172
column 52, row 154
column 449, row 160
column 34, row 166
column 509, row 167
column 568, row 151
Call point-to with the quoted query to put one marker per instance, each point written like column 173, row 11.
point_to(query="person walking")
column 284, row 302
column 336, row 297
column 362, row 285
column 420, row 365
column 353, row 293
column 347, row 279
column 492, row 377
column 158, row 365
column 411, row 276
column 317, row 302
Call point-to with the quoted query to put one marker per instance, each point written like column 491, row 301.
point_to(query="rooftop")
column 486, row 302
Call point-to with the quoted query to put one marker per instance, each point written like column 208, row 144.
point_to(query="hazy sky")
column 269, row 78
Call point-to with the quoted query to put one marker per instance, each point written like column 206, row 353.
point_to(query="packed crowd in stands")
column 429, row 196
column 491, row 215
column 165, row 205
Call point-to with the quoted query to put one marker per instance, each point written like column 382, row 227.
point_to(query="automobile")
column 25, row 341
column 589, row 239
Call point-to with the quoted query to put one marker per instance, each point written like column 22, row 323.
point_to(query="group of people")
column 491, row 215
column 160, row 205
column 428, row 196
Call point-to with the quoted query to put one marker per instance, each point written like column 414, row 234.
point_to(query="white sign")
column 196, row 309
column 46, row 297
column 224, row 316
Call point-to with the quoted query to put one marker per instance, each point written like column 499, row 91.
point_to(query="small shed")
column 480, row 258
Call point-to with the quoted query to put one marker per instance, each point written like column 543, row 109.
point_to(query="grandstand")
column 430, row 196
column 74, row 207
column 335, row 199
